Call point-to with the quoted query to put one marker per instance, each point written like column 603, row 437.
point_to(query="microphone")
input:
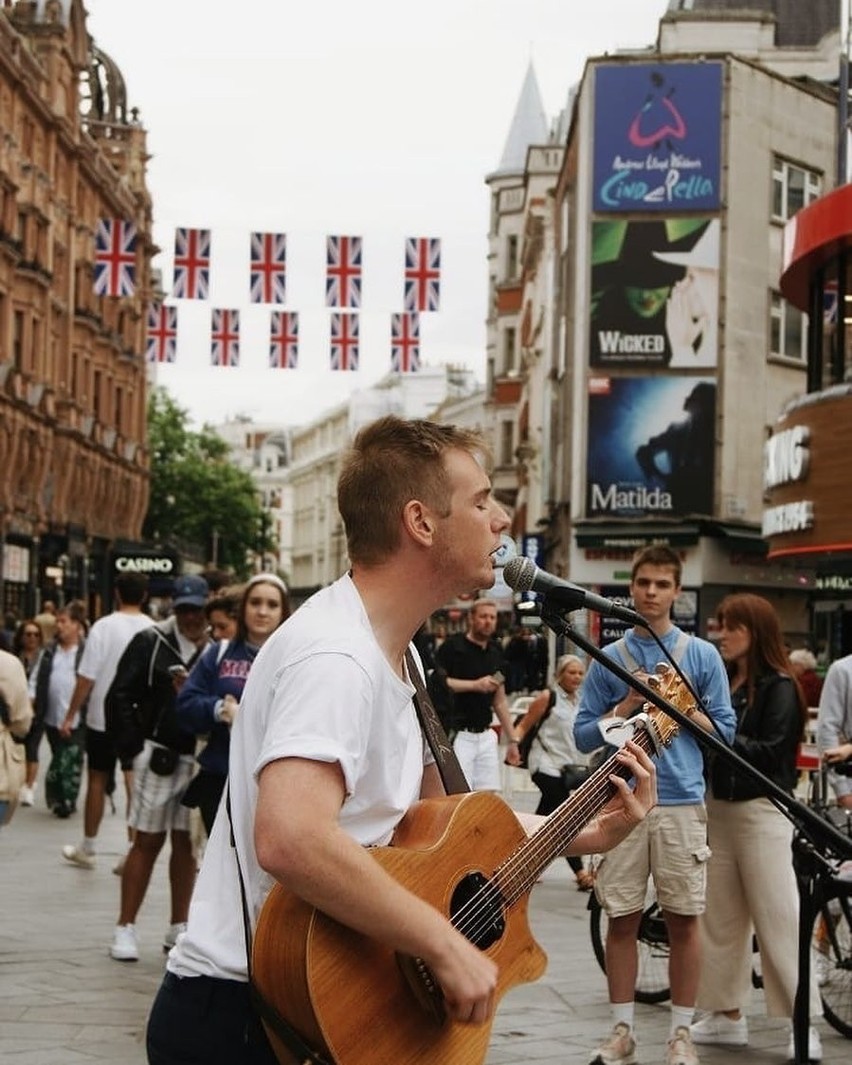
column 523, row 575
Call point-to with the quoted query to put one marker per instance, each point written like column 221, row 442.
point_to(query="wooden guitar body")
column 358, row 1003
column 347, row 994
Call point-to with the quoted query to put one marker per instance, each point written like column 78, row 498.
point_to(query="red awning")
column 814, row 237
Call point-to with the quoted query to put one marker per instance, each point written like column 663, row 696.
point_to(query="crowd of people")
column 232, row 712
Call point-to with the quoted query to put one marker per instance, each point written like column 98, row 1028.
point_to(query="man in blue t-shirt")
column 671, row 844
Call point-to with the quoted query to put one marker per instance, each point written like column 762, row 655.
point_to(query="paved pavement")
column 62, row 999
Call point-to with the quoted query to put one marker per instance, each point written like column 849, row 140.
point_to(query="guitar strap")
column 451, row 772
column 454, row 782
column 288, row 1035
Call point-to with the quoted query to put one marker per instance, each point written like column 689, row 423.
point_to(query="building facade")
column 73, row 462
column 263, row 451
column 319, row 543
column 672, row 349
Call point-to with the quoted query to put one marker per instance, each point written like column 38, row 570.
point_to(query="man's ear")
column 418, row 522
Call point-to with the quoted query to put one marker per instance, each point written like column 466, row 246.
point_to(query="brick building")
column 73, row 462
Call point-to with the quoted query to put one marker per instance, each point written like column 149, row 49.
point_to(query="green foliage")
column 197, row 495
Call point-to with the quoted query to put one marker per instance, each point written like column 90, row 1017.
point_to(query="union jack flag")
column 268, row 267
column 115, row 257
column 225, row 338
column 345, row 334
column 422, row 273
column 284, row 340
column 192, row 264
column 405, row 343
column 344, row 259
column 161, row 333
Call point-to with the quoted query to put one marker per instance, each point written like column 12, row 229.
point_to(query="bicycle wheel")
column 832, row 958
column 652, row 977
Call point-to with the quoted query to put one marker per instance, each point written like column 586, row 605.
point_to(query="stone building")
column 73, row 464
column 656, row 285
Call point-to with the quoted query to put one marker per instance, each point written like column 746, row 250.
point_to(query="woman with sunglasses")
column 28, row 645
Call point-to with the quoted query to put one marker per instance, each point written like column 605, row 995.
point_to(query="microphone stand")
column 813, row 836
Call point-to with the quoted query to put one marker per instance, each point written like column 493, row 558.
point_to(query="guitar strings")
column 519, row 870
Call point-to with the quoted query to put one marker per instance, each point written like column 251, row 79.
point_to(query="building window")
column 509, row 342
column 793, row 187
column 511, row 257
column 507, row 451
column 788, row 330
column 18, row 339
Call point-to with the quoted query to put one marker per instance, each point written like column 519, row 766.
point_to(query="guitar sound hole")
column 476, row 909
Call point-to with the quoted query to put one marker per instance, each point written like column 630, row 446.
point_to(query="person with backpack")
column 671, row 844
column 207, row 703
column 556, row 765
column 141, row 718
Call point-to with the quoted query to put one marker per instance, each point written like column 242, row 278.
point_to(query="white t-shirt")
column 60, row 686
column 105, row 645
column 557, row 736
column 320, row 688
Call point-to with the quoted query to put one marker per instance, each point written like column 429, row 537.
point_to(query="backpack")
column 526, row 741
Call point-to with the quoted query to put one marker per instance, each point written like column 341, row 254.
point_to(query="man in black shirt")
column 475, row 675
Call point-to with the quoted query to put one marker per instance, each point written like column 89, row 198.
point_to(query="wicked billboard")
column 657, row 137
column 650, row 449
column 655, row 293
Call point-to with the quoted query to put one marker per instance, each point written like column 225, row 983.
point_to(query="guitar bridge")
column 424, row 987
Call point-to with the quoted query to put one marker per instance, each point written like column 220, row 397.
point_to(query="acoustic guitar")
column 354, row 1000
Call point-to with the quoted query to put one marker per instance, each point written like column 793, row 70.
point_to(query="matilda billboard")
column 655, row 293
column 650, row 448
column 657, row 137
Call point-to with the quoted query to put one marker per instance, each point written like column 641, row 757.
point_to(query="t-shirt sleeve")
column 91, row 660
column 320, row 709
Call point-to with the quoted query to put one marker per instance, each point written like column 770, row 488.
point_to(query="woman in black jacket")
column 751, row 886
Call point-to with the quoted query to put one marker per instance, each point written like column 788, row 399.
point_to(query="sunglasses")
column 33, row 632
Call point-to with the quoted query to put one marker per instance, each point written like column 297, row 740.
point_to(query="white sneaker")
column 79, row 857
column 814, row 1046
column 124, row 945
column 679, row 1049
column 26, row 796
column 619, row 1048
column 719, row 1029
column 172, row 933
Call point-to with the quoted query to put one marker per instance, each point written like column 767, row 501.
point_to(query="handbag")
column 574, row 775
column 163, row 761
column 12, row 771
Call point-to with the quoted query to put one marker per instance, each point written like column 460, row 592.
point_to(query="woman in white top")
column 555, row 764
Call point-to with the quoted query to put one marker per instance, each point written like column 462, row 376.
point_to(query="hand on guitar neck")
column 454, row 901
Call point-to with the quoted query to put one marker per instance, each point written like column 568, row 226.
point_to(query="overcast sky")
column 378, row 119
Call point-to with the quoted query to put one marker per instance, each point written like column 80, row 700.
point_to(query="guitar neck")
column 516, row 876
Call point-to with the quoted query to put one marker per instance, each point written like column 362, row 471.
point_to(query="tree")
column 197, row 495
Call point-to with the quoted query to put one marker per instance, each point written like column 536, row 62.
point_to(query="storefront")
column 808, row 458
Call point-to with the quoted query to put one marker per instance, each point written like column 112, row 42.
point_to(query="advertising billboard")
column 650, row 448
column 657, row 137
column 655, row 294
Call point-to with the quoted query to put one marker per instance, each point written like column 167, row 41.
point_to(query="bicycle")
column 652, row 977
column 831, row 934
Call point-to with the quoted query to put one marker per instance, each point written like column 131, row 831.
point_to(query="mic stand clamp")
column 813, row 835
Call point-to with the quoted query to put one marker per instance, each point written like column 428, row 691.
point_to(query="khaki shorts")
column 671, row 846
